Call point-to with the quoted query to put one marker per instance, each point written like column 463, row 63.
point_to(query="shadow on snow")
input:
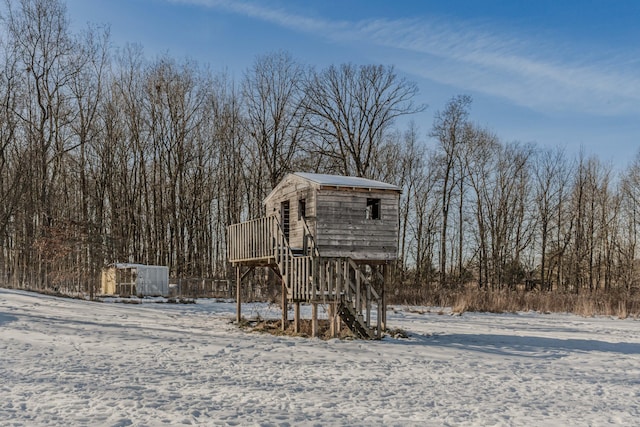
column 523, row 346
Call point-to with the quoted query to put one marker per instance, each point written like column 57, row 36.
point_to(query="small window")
column 373, row 208
column 302, row 209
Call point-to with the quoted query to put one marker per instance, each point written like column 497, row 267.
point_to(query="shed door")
column 284, row 218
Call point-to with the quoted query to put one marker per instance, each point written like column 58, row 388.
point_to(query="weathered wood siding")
column 293, row 189
column 337, row 218
column 342, row 229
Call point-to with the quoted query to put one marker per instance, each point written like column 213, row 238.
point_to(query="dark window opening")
column 302, row 209
column 284, row 217
column 373, row 208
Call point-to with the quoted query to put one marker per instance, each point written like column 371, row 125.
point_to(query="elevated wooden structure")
column 331, row 240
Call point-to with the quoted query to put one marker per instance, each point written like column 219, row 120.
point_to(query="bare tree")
column 629, row 224
column 449, row 131
column 412, row 169
column 176, row 95
column 510, row 220
column 87, row 87
column 125, row 158
column 424, row 225
column 550, row 177
column 590, row 198
column 38, row 33
column 499, row 177
column 480, row 164
column 351, row 108
column 12, row 158
column 273, row 94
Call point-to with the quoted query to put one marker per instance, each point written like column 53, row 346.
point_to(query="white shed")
column 135, row 279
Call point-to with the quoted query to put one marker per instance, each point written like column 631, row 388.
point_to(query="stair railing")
column 250, row 239
column 311, row 247
column 297, row 271
column 363, row 295
column 282, row 252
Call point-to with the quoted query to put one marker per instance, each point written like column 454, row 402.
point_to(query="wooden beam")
column 238, row 295
column 314, row 319
column 332, row 322
column 351, row 189
column 296, row 317
column 251, row 267
column 285, row 318
column 386, row 278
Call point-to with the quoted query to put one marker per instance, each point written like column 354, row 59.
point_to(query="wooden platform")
column 352, row 290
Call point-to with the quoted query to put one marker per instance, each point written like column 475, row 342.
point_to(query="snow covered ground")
column 71, row 362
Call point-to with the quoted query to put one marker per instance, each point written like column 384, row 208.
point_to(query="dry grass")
column 619, row 303
column 274, row 327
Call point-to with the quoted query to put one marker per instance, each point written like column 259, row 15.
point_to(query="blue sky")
column 553, row 72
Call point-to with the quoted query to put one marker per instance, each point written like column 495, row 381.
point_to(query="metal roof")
column 134, row 265
column 346, row 181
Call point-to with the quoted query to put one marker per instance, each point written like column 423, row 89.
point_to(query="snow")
column 346, row 181
column 74, row 362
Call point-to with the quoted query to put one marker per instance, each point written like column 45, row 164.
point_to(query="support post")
column 386, row 278
column 296, row 317
column 314, row 319
column 332, row 320
column 238, row 295
column 285, row 308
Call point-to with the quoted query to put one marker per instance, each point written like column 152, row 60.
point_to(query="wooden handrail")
column 313, row 250
column 251, row 239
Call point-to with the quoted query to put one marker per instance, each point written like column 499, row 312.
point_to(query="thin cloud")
column 535, row 73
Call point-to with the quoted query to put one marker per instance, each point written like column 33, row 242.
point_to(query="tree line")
column 108, row 156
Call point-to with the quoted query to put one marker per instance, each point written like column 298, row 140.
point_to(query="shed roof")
column 336, row 181
column 134, row 265
column 346, row 181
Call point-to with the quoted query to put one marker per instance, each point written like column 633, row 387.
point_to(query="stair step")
column 354, row 322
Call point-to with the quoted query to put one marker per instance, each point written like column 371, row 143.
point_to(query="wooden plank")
column 355, row 225
column 328, row 248
column 332, row 322
column 353, row 242
column 296, row 318
column 346, row 238
column 358, row 284
column 314, row 272
column 328, row 196
column 364, row 238
column 338, row 278
column 336, row 188
column 370, row 256
column 386, row 272
column 374, row 247
column 238, row 295
column 314, row 320
column 357, row 205
column 284, row 306
column 368, row 304
column 337, row 206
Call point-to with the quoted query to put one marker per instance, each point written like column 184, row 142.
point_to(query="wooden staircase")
column 309, row 277
column 355, row 321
